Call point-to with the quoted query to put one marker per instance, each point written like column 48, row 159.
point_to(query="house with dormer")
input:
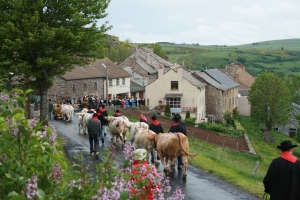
column 143, row 66
column 221, row 93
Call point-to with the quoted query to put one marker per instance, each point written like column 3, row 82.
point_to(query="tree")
column 157, row 49
column 167, row 111
column 41, row 39
column 270, row 100
column 188, row 115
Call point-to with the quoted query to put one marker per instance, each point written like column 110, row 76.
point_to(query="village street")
column 198, row 185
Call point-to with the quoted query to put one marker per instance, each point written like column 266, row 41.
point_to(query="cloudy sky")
column 207, row 22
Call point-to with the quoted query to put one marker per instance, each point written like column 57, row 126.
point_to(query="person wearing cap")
column 282, row 180
column 140, row 162
column 176, row 127
column 94, row 131
column 117, row 113
column 157, row 128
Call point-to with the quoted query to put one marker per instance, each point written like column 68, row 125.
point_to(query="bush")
column 190, row 121
column 187, row 115
column 167, row 111
column 221, row 128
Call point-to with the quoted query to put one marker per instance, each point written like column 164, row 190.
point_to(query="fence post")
column 224, row 143
column 237, row 146
column 255, row 168
column 207, row 137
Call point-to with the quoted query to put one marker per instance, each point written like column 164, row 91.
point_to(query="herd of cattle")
column 166, row 145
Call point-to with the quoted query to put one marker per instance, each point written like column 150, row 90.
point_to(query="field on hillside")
column 280, row 56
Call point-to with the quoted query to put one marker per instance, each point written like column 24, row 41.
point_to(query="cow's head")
column 152, row 141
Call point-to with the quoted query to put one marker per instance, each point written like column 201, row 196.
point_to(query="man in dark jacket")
column 157, row 128
column 282, row 180
column 50, row 105
column 104, row 122
column 176, row 127
column 94, row 130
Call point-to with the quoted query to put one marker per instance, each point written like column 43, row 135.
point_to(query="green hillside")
column 280, row 56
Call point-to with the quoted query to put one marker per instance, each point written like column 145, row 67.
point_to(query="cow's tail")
column 192, row 155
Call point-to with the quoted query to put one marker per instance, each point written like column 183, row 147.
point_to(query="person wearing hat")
column 94, row 131
column 140, row 170
column 157, row 128
column 117, row 113
column 176, row 127
column 282, row 180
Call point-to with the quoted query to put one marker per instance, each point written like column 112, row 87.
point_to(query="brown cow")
column 169, row 146
column 118, row 127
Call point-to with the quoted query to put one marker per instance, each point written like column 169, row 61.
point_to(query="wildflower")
column 4, row 97
column 53, row 137
column 56, row 174
column 128, row 151
column 177, row 195
column 30, row 189
column 33, row 122
column 15, row 131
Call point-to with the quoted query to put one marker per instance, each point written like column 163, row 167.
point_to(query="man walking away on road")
column 175, row 128
column 102, row 120
column 50, row 107
column 157, row 128
column 94, row 130
column 282, row 180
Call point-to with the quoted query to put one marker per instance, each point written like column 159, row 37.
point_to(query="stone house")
column 291, row 128
column 239, row 75
column 221, row 93
column 91, row 80
column 143, row 67
column 177, row 87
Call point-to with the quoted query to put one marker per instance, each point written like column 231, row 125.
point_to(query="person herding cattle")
column 143, row 118
column 176, row 127
column 156, row 127
column 103, row 113
column 94, row 130
column 117, row 114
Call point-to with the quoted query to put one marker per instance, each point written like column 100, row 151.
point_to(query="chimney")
column 236, row 78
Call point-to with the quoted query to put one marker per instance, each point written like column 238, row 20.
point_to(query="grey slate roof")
column 210, row 80
column 221, row 78
column 189, row 77
column 145, row 66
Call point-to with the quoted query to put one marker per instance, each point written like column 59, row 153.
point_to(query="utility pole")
column 106, row 83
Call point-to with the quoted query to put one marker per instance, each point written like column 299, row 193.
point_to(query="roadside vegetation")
column 241, row 169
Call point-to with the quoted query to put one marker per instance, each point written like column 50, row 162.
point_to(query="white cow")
column 67, row 112
column 83, row 118
column 141, row 141
column 135, row 127
column 118, row 127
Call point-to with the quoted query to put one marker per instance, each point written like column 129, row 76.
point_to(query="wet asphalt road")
column 199, row 185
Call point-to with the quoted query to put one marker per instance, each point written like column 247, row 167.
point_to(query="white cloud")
column 228, row 22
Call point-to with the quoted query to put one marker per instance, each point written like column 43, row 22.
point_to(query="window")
column 123, row 81
column 95, row 86
column 174, row 102
column 85, row 87
column 118, row 81
column 73, row 88
column 110, row 82
column 174, row 85
column 232, row 101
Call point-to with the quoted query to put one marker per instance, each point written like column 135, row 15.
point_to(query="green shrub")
column 167, row 111
column 221, row 128
column 190, row 121
column 235, row 113
column 187, row 115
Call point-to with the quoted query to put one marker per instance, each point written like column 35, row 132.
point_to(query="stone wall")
column 63, row 87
